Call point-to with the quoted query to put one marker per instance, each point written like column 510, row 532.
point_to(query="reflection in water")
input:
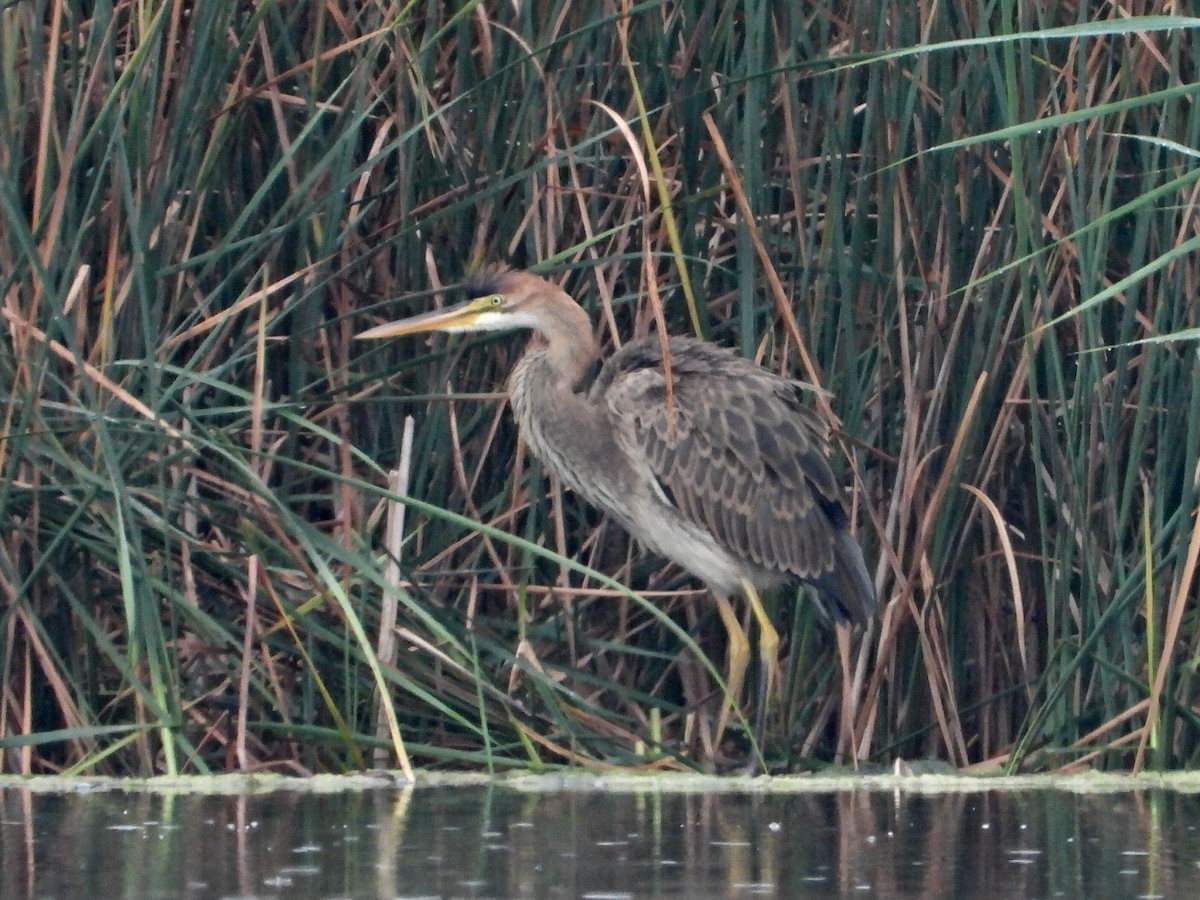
column 499, row 841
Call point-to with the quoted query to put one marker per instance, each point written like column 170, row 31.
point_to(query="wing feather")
column 741, row 457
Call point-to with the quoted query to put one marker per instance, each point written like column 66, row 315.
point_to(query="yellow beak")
column 461, row 317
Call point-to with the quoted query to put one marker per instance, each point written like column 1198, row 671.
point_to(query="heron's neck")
column 543, row 384
column 565, row 344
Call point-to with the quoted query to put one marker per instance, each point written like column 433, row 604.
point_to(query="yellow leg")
column 768, row 660
column 739, row 658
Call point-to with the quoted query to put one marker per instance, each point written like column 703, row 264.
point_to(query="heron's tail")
column 845, row 592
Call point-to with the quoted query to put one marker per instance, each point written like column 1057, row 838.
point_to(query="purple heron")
column 728, row 477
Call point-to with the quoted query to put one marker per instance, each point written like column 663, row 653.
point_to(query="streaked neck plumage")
column 552, row 413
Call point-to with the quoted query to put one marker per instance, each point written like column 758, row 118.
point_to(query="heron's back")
column 736, row 457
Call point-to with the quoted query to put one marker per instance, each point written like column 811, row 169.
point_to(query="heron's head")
column 498, row 299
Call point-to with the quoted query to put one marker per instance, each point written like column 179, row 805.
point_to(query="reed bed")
column 976, row 225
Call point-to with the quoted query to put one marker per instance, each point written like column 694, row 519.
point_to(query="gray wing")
column 742, row 458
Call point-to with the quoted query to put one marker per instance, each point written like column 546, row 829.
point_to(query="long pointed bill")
column 462, row 317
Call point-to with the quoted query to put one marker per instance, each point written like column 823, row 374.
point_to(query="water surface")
column 592, row 839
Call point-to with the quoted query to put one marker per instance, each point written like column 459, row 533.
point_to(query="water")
column 498, row 840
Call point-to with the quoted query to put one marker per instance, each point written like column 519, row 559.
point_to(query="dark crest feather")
column 492, row 279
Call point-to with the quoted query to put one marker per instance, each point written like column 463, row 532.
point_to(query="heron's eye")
column 497, row 300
